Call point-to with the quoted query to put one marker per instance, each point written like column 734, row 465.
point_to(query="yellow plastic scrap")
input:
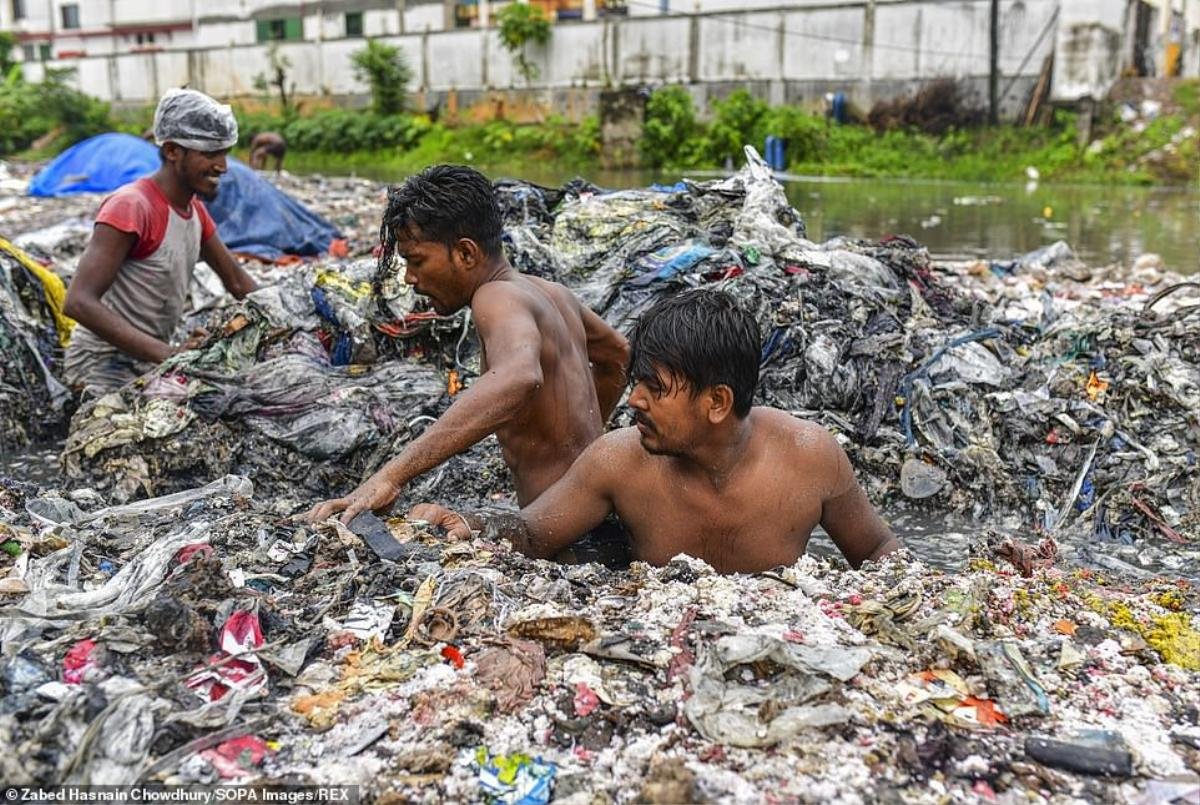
column 377, row 667
column 421, row 602
column 339, row 282
column 1173, row 637
column 319, row 709
column 1096, row 386
column 56, row 291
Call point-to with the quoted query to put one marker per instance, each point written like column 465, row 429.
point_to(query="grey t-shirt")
column 151, row 286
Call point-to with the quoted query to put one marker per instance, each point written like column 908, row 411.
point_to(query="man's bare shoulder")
column 620, row 445
column 498, row 293
column 552, row 290
column 615, row 454
column 810, row 440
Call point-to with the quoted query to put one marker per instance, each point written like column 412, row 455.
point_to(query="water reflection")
column 1104, row 224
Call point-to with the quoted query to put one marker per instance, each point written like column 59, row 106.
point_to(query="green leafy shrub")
column 385, row 70
column 348, row 130
column 670, row 127
column 737, row 122
column 29, row 111
column 804, row 132
column 520, row 24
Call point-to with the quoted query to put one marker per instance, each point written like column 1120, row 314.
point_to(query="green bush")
column 736, row 123
column 8, row 43
column 670, row 127
column 385, row 70
column 519, row 24
column 804, row 132
column 347, row 130
column 251, row 124
column 30, row 111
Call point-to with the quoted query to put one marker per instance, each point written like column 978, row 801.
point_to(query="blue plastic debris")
column 667, row 262
column 1087, row 495
column 516, row 779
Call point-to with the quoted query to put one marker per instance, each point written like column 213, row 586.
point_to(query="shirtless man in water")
column 702, row 473
column 552, row 369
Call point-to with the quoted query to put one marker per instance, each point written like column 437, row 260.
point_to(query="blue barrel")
column 839, row 107
column 775, row 152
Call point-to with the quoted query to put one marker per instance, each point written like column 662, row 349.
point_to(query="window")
column 145, row 39
column 70, row 15
column 354, row 23
column 288, row 28
column 18, row 9
column 44, row 51
column 28, row 52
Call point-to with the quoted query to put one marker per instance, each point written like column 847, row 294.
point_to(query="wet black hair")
column 703, row 338
column 442, row 203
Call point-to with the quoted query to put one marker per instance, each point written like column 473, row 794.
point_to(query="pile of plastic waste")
column 205, row 638
column 33, row 332
column 987, row 388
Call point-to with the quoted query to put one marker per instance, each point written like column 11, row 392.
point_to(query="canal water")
column 1103, row 224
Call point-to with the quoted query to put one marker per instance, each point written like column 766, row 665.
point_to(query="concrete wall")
column 1092, row 46
column 866, row 49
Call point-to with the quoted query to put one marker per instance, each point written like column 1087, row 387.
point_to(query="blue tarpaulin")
column 253, row 216
column 99, row 164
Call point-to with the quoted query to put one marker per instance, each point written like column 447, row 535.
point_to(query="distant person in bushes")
column 133, row 279
column 267, row 144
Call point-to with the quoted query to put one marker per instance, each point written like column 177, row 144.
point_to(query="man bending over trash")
column 702, row 473
column 136, row 271
column 552, row 369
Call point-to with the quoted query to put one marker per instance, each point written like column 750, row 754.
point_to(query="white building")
column 130, row 51
column 65, row 29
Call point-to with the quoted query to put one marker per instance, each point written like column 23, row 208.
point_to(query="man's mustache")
column 642, row 419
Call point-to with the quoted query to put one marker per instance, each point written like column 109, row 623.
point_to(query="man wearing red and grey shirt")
column 133, row 279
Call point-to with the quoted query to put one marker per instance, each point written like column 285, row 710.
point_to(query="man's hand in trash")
column 456, row 526
column 194, row 341
column 375, row 494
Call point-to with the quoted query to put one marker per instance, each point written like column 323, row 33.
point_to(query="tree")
column 520, row 24
column 385, row 70
column 280, row 64
column 7, row 66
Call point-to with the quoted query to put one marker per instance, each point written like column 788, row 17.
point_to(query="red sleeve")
column 129, row 210
column 207, row 227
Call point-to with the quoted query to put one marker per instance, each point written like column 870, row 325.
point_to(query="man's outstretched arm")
column 573, row 506
column 513, row 343
column 848, row 517
column 235, row 278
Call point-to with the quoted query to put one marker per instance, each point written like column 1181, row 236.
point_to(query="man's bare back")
column 562, row 417
column 267, row 144
column 552, row 370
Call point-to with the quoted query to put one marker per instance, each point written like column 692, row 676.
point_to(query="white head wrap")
column 194, row 120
